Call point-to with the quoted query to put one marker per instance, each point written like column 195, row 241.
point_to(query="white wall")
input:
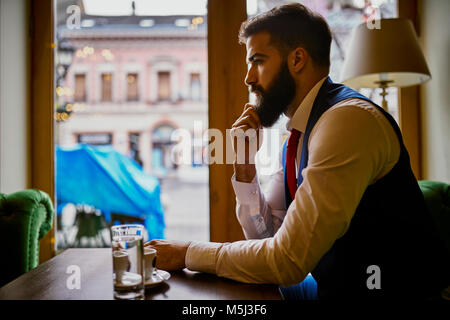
column 435, row 94
column 13, row 96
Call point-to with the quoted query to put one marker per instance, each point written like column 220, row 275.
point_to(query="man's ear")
column 298, row 58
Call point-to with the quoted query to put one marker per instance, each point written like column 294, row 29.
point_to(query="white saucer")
column 129, row 279
column 157, row 278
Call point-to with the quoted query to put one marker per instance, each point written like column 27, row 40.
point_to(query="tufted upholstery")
column 437, row 197
column 25, row 217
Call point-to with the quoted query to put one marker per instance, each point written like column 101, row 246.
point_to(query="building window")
column 132, row 87
column 195, row 86
column 163, row 85
column 106, row 87
column 80, row 88
column 134, row 147
column 162, row 145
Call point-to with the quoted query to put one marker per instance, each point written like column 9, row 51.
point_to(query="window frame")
column 42, row 99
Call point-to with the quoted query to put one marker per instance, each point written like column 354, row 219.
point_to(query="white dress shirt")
column 351, row 146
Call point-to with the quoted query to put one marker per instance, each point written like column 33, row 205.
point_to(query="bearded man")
column 344, row 203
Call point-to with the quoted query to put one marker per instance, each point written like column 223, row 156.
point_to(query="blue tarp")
column 101, row 177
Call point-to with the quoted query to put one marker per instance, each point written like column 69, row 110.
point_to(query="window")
column 106, row 87
column 162, row 149
column 80, row 88
column 132, row 87
column 95, row 138
column 136, row 65
column 163, row 85
column 134, row 147
column 195, row 86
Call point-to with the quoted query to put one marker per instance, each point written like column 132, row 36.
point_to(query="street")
column 186, row 198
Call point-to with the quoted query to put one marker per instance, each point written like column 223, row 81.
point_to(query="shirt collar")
column 301, row 115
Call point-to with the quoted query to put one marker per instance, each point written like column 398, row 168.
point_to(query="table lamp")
column 384, row 57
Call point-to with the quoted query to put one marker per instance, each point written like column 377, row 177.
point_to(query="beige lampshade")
column 391, row 52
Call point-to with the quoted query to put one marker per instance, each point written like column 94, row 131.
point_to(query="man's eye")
column 257, row 61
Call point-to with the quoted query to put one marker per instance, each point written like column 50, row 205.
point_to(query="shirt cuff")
column 201, row 256
column 246, row 193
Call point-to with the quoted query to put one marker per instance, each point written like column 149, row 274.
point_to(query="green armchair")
column 25, row 217
column 437, row 198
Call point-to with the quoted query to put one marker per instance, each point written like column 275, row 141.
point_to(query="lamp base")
column 383, row 85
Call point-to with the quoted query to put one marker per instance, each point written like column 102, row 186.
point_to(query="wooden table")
column 49, row 281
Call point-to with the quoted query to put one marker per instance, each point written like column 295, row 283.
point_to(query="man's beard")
column 273, row 102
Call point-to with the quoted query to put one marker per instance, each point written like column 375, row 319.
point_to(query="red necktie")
column 291, row 153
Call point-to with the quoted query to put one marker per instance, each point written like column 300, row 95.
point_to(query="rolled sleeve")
column 201, row 256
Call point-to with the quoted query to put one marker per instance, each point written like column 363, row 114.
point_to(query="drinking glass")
column 127, row 254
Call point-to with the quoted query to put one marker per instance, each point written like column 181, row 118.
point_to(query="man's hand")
column 249, row 119
column 170, row 254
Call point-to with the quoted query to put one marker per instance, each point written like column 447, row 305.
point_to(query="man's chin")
column 270, row 124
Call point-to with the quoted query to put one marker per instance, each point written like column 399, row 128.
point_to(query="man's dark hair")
column 290, row 26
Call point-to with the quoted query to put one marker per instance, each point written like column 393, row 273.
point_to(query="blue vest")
column 390, row 228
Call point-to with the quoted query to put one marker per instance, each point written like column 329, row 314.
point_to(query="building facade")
column 132, row 82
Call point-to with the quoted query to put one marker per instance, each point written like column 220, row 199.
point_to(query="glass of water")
column 127, row 254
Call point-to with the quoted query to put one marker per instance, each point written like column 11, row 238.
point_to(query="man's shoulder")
column 360, row 110
column 355, row 102
column 354, row 107
column 354, row 117
column 357, row 125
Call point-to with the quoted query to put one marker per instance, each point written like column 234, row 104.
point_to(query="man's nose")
column 250, row 78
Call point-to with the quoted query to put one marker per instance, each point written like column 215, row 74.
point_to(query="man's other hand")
column 170, row 254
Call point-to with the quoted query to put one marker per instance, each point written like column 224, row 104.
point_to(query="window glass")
column 195, row 86
column 106, row 87
column 132, row 87
column 80, row 88
column 111, row 53
column 163, row 85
